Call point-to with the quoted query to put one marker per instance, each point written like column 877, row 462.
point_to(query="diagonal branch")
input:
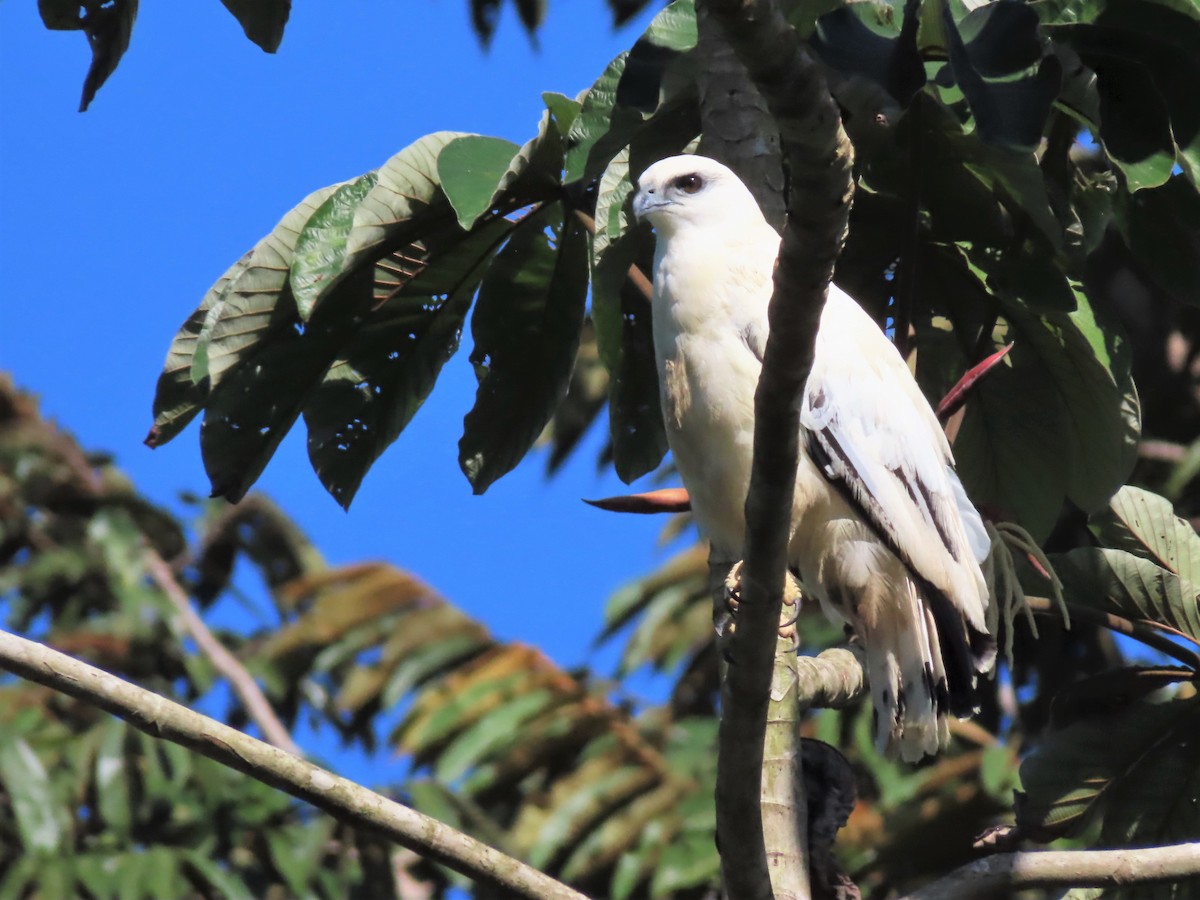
column 818, row 160
column 1006, row 873
column 1144, row 632
column 258, row 708
column 350, row 802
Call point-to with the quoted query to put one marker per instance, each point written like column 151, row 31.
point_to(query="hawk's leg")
column 791, row 600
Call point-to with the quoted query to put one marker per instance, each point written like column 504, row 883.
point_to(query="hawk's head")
column 692, row 190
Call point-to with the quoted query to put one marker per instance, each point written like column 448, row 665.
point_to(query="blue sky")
column 114, row 222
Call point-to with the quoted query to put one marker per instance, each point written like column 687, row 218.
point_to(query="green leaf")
column 1143, row 54
column 320, row 251
column 262, row 20
column 619, row 830
column 1059, row 417
column 108, row 26
column 432, row 657
column 689, row 861
column 1090, row 367
column 592, row 123
column 1145, row 525
column 997, row 57
column 470, row 169
column 1108, row 764
column 1135, row 587
column 582, row 803
column 251, row 411
column 112, row 779
column 404, row 204
column 1157, row 802
column 659, row 619
column 461, row 710
column 653, row 77
column 563, row 109
column 491, row 733
column 635, row 416
column 478, row 177
column 1159, row 227
column 41, row 820
column 223, row 882
column 401, row 245
column 1135, row 127
column 296, row 852
column 386, row 370
column 256, row 304
column 1008, row 450
column 621, row 316
column 526, row 331
column 18, row 881
column 177, row 397
column 1038, row 281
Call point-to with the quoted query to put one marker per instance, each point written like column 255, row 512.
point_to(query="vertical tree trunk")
column 758, row 693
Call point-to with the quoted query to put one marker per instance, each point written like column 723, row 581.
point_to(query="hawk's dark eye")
column 689, row 184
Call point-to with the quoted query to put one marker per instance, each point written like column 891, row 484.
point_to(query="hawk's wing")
column 872, row 431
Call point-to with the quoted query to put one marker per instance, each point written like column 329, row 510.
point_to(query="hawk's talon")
column 733, row 588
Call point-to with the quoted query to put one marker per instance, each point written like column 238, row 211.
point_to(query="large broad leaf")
column 1132, row 586
column 1143, row 54
column 390, row 365
column 41, row 820
column 1009, row 449
column 257, row 302
column 470, row 169
column 485, row 173
column 621, row 314
column 108, row 26
column 1162, row 229
column 1059, row 418
column 177, row 397
column 385, row 275
column 320, row 251
column 404, row 202
column 1145, row 525
column 866, row 44
column 1090, row 368
column 1136, row 766
column 262, row 20
column 655, row 74
column 998, row 60
column 620, row 307
column 526, row 331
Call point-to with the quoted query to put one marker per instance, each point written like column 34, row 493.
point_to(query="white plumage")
column 883, row 532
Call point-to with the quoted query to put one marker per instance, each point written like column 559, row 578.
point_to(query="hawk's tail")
column 923, row 667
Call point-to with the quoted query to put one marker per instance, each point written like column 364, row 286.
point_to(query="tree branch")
column 350, row 802
column 258, row 708
column 1005, row 873
column 833, row 679
column 1139, row 631
column 818, row 158
column 736, row 126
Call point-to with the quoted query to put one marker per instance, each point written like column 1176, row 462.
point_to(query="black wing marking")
column 964, row 648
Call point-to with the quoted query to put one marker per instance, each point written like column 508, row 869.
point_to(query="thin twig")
column 161, row 718
column 1006, row 873
column 635, row 275
column 258, row 708
column 1162, row 451
column 1139, row 631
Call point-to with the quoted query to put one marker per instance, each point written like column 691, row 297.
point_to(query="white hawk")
column 883, row 532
